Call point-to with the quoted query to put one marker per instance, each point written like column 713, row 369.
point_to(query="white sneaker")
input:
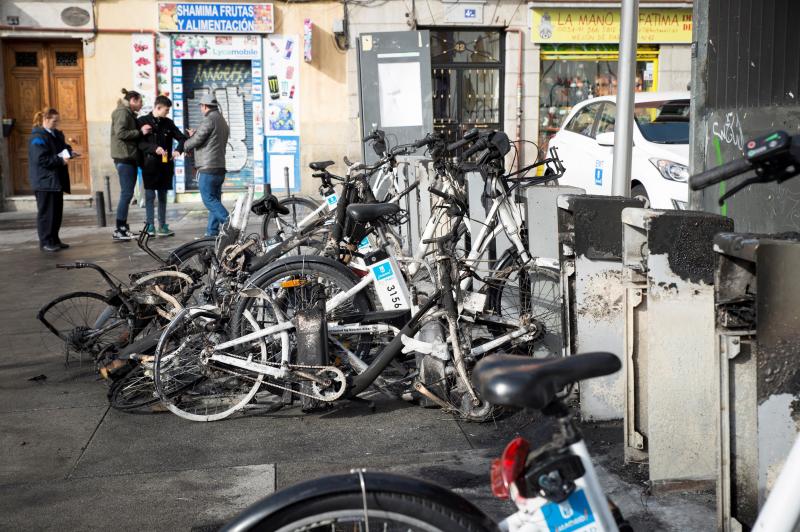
column 122, row 234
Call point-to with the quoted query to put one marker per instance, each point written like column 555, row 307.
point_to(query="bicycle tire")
column 340, row 278
column 189, row 386
column 196, row 258
column 133, row 391
column 299, row 207
column 79, row 332
column 403, row 509
column 543, row 303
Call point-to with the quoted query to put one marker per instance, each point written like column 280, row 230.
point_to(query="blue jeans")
column 150, row 199
column 127, row 182
column 211, row 192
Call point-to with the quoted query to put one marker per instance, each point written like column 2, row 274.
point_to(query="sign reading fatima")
column 216, row 18
column 590, row 26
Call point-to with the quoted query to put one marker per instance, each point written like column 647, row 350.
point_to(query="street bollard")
column 108, row 193
column 267, row 189
column 286, row 180
column 100, row 207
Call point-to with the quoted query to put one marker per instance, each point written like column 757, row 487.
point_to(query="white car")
column 660, row 161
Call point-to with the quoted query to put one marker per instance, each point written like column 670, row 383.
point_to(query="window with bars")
column 25, row 59
column 67, row 59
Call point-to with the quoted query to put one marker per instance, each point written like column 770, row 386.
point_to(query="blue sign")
column 570, row 515
column 383, row 271
column 470, row 13
column 188, row 17
column 598, row 172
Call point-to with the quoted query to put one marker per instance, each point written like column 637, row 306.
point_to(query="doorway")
column 40, row 74
column 468, row 74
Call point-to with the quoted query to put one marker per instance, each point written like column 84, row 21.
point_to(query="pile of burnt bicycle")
column 332, row 298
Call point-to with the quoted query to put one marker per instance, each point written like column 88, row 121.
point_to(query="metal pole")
column 286, row 180
column 626, row 72
column 108, row 193
column 100, row 208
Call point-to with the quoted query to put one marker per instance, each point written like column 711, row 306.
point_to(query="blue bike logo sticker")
column 598, row 173
column 382, row 271
column 571, row 515
column 332, row 200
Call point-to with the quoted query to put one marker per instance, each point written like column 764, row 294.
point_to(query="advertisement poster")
column 282, row 96
column 283, row 153
column 163, row 71
column 144, row 68
column 188, row 17
column 230, row 68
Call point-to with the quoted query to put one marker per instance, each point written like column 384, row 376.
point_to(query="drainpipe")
column 519, row 98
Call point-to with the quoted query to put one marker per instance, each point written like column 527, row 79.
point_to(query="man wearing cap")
column 209, row 143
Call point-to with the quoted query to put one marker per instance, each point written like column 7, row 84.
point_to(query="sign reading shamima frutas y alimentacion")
column 216, row 18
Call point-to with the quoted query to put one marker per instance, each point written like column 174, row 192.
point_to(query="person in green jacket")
column 125, row 135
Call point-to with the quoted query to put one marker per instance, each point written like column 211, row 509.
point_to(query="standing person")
column 209, row 143
column 125, row 137
column 158, row 167
column 48, row 156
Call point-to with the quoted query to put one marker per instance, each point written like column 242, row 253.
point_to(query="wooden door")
column 40, row 74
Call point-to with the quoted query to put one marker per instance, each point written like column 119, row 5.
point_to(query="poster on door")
column 144, row 69
column 282, row 68
column 229, row 67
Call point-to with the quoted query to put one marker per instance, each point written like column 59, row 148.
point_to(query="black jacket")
column 46, row 170
column 156, row 174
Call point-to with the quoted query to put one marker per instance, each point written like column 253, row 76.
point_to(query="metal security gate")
column 467, row 71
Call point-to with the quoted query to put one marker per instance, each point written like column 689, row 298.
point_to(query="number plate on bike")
column 573, row 515
column 389, row 285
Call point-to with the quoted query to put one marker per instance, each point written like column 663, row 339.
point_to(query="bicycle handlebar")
column 720, row 173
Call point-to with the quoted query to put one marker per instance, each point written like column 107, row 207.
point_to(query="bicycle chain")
column 339, row 373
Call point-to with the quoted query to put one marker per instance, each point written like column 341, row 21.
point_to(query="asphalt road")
column 69, row 462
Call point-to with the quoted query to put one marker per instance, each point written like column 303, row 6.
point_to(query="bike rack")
column 758, row 346
column 590, row 255
column 668, row 274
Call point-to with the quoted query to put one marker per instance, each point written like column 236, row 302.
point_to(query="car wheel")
column 639, row 192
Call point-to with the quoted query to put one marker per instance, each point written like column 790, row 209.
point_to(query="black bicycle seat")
column 369, row 212
column 320, row 166
column 511, row 380
column 268, row 203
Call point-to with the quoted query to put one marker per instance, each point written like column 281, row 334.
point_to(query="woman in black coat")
column 158, row 167
column 48, row 156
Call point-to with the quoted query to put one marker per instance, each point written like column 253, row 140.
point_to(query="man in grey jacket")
column 209, row 143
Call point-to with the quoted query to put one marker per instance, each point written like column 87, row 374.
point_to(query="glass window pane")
column 605, row 124
column 25, row 59
column 582, row 122
column 465, row 46
column 445, row 96
column 67, row 59
column 481, row 96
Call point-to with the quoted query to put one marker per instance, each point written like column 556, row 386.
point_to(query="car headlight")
column 671, row 170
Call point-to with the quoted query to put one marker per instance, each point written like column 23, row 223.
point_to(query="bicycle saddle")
column 368, row 212
column 320, row 166
column 511, row 380
column 268, row 203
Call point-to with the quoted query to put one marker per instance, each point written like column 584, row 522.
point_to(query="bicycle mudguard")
column 296, row 263
column 257, row 516
column 178, row 252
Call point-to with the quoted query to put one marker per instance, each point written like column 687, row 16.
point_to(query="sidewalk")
column 71, row 463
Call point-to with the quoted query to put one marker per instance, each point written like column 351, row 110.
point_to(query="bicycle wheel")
column 189, row 383
column 196, row 259
column 133, row 391
column 374, row 510
column 86, row 322
column 286, row 284
column 529, row 296
column 299, row 208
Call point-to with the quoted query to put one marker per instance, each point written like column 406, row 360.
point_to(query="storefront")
column 232, row 66
column 579, row 52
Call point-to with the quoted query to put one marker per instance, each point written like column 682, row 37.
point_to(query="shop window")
column 583, row 122
column 67, row 59
column 571, row 74
column 25, row 59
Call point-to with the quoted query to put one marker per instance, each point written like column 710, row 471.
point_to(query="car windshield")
column 663, row 122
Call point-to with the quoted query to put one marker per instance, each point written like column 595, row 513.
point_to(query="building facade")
column 287, row 74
